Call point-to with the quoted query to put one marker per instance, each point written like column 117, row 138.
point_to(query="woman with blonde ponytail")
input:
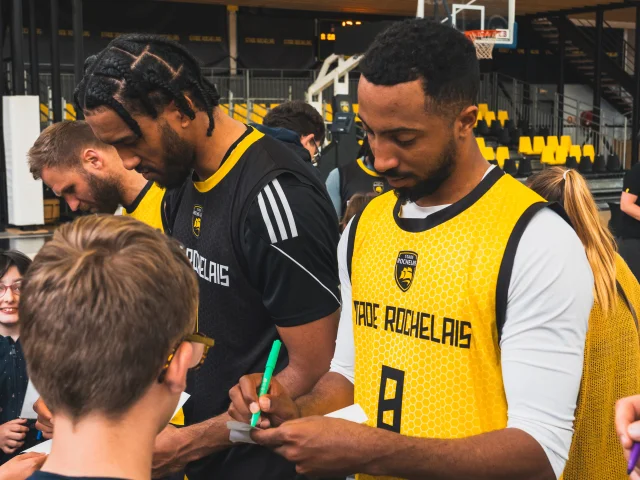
column 612, row 351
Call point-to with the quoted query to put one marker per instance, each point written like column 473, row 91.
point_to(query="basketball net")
column 484, row 41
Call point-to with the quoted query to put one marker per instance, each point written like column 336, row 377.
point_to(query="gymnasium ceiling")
column 408, row 7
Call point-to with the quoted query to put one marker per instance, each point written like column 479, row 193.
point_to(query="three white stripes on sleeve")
column 280, row 217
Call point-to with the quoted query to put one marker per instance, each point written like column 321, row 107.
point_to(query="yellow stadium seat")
column 565, row 141
column 547, row 156
column 483, row 107
column 503, row 116
column 259, row 109
column 561, row 155
column 553, row 142
column 240, row 112
column 481, row 143
column 589, row 151
column 489, row 118
column 502, row 154
column 488, row 154
column 538, row 145
column 575, row 151
column 524, row 147
column 69, row 112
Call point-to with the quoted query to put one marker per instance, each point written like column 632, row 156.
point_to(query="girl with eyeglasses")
column 14, row 432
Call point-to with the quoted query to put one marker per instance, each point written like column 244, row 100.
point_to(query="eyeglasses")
column 318, row 154
column 201, row 345
column 15, row 288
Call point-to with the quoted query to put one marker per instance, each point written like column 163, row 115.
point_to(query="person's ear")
column 466, row 120
column 185, row 120
column 92, row 159
column 175, row 377
column 307, row 141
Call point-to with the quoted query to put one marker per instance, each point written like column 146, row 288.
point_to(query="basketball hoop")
column 484, row 41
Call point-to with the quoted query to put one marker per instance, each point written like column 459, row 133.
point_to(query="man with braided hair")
column 257, row 225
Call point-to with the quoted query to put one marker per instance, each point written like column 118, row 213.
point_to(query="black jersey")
column 261, row 235
column 355, row 177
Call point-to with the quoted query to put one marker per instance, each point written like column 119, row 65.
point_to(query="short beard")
column 178, row 160
column 106, row 193
column 429, row 186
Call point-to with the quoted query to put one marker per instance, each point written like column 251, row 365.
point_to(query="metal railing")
column 534, row 109
column 610, row 44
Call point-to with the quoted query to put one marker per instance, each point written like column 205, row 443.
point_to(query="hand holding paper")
column 240, row 432
column 327, row 446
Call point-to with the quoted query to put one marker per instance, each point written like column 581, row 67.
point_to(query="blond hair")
column 60, row 146
column 569, row 189
column 103, row 305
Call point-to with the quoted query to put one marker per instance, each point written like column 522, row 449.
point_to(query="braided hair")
column 142, row 73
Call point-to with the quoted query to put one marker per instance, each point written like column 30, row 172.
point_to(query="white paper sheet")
column 240, row 432
column 353, row 413
column 30, row 397
column 184, row 396
column 45, row 447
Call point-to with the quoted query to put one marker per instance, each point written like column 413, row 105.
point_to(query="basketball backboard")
column 487, row 15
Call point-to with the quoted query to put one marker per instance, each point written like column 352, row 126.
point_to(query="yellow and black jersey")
column 429, row 301
column 261, row 235
column 611, row 366
column 147, row 207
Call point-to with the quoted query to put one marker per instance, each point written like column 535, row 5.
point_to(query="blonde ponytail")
column 570, row 189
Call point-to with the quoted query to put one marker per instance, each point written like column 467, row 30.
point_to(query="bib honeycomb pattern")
column 447, row 391
column 611, row 366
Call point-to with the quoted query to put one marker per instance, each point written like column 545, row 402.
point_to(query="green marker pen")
column 266, row 378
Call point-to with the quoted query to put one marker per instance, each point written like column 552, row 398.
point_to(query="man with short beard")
column 466, row 295
column 256, row 224
column 90, row 176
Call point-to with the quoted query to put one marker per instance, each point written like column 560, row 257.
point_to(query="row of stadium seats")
column 490, row 116
column 554, row 149
column 527, row 147
column 522, row 167
column 559, row 156
column 554, row 153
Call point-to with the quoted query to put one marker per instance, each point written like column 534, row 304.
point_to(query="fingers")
column 278, row 406
column 41, row 409
column 46, row 429
column 238, row 409
column 17, row 421
column 38, row 460
column 17, row 428
column 249, row 385
column 271, row 438
column 44, row 422
column 244, row 397
column 10, row 446
column 17, row 436
column 627, row 411
column 33, row 455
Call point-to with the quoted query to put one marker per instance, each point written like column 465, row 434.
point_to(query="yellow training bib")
column 147, row 207
column 429, row 299
column 611, row 366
